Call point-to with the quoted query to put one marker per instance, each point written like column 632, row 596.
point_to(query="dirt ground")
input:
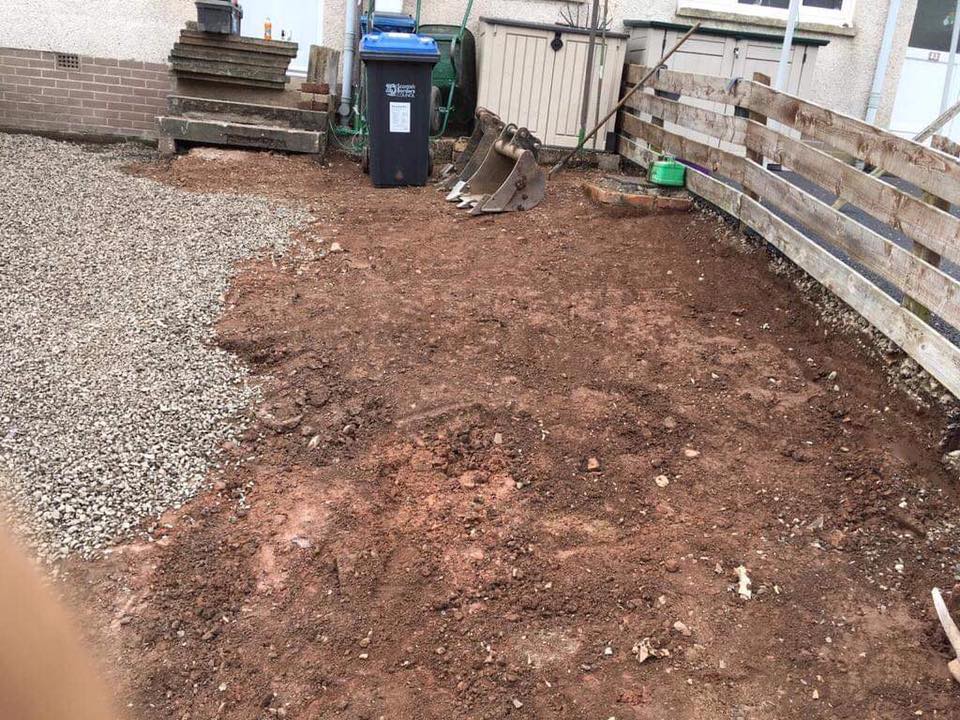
column 452, row 503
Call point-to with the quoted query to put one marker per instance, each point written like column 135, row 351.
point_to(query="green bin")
column 667, row 172
column 459, row 70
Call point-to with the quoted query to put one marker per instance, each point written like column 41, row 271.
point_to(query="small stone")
column 441, row 650
column 498, row 438
column 364, row 642
column 681, row 628
column 661, row 481
column 671, row 565
column 608, row 651
column 690, row 453
column 517, row 704
column 363, row 656
column 836, row 538
column 336, row 247
column 669, row 422
column 593, row 465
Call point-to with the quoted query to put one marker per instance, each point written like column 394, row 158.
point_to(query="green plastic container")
column 667, row 172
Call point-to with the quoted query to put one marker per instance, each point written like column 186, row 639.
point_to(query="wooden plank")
column 717, row 160
column 925, row 167
column 932, row 351
column 238, row 57
column 217, row 69
column 222, row 80
column 703, row 87
column 945, row 145
column 249, row 113
column 758, row 118
column 225, row 133
column 936, row 229
column 900, row 267
column 724, row 127
column 249, row 44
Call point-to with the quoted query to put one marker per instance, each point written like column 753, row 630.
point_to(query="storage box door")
column 569, row 73
column 516, row 76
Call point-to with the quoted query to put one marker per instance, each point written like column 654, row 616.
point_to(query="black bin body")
column 218, row 16
column 398, row 71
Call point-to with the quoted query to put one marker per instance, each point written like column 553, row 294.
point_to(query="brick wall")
column 102, row 97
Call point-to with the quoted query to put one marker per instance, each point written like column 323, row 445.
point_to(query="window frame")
column 824, row 16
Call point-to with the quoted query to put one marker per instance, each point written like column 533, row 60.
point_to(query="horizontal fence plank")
column 931, row 227
column 702, row 87
column 901, row 268
column 928, row 169
column 714, row 159
column 723, row 127
column 929, row 348
column 945, row 145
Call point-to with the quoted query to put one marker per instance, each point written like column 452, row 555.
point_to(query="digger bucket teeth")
column 508, row 178
column 485, row 131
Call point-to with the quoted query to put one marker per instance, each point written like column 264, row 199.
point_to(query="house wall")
column 122, row 79
column 138, row 36
column 845, row 67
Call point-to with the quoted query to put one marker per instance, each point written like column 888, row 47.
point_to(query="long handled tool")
column 950, row 630
column 583, row 141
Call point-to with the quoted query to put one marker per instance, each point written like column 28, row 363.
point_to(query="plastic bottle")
column 267, row 29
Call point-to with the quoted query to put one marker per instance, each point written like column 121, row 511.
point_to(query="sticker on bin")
column 399, row 117
column 400, row 90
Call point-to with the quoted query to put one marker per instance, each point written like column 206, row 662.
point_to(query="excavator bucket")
column 485, row 130
column 509, row 177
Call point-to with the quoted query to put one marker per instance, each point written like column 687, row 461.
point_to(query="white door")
column 925, row 71
column 300, row 21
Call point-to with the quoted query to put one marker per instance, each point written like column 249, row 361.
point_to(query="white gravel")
column 113, row 401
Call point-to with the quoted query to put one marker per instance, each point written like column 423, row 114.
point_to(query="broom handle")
column 583, row 141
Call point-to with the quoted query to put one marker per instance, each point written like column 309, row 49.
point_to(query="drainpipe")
column 349, row 42
column 883, row 62
column 782, row 73
column 947, row 86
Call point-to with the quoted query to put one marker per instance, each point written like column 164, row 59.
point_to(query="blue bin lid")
column 389, row 22
column 399, row 46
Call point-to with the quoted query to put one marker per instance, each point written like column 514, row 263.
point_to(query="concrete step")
column 247, row 113
column 221, row 132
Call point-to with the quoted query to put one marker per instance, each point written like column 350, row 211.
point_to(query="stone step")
column 220, row 132
column 247, row 113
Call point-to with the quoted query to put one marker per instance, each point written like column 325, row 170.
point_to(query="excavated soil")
column 452, row 501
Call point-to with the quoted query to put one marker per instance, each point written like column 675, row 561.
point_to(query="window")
column 832, row 12
column 933, row 25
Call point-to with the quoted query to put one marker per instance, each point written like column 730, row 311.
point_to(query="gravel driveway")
column 112, row 398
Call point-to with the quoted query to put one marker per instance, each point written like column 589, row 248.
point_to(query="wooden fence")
column 731, row 147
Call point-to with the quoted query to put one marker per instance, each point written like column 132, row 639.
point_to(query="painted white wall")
column 146, row 29
column 122, row 29
column 844, row 67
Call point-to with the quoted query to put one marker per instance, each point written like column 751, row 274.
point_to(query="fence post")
column 939, row 142
column 756, row 117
